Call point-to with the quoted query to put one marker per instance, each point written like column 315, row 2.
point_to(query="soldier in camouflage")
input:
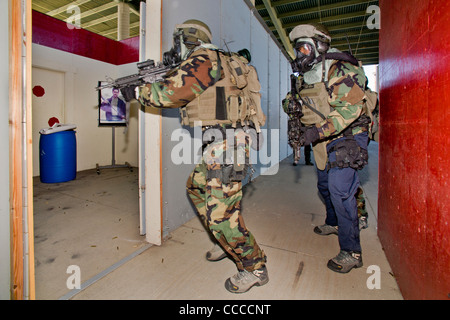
column 215, row 194
column 344, row 130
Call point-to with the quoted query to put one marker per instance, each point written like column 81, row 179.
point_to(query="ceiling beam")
column 279, row 27
column 356, row 41
column 319, row 9
column 334, row 29
column 64, row 8
column 329, row 19
column 355, row 34
column 101, row 20
column 360, row 50
column 370, row 61
column 368, row 54
column 112, row 31
column 279, row 3
column 98, row 10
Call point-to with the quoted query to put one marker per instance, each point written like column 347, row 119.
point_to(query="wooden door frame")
column 20, row 151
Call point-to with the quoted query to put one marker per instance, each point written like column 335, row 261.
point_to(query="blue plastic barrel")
column 58, row 156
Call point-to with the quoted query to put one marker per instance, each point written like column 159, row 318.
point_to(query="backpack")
column 371, row 108
column 234, row 98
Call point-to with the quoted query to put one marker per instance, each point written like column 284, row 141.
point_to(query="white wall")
column 233, row 22
column 94, row 143
column 4, row 157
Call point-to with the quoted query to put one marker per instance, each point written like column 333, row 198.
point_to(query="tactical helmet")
column 195, row 30
column 315, row 31
column 186, row 37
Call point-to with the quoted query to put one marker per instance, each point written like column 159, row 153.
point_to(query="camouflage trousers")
column 219, row 206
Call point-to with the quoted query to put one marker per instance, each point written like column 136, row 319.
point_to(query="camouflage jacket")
column 346, row 89
column 183, row 84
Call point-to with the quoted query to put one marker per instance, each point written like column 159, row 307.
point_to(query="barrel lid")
column 58, row 127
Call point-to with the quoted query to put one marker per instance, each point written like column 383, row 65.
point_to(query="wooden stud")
column 15, row 145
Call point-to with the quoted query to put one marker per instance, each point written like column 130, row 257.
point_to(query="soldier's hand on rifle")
column 309, row 135
column 129, row 92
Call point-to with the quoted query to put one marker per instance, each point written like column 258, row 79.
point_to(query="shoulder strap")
column 320, row 114
column 343, row 56
column 219, row 67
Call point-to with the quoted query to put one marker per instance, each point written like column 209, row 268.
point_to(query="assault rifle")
column 295, row 106
column 149, row 72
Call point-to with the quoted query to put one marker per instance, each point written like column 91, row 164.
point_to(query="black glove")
column 309, row 135
column 128, row 93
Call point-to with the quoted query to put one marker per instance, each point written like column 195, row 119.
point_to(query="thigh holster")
column 348, row 154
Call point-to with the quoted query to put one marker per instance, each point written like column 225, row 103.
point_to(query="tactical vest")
column 315, row 109
column 232, row 99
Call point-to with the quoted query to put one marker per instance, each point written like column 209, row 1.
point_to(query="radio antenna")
column 226, row 45
column 348, row 42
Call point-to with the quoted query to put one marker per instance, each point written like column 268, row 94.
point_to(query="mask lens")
column 304, row 48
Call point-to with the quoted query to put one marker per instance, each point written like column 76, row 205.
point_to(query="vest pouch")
column 370, row 108
column 233, row 109
column 184, row 116
column 252, row 91
column 253, row 82
column 243, row 108
column 259, row 117
column 239, row 71
column 316, row 96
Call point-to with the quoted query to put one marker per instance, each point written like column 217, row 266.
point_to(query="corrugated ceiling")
column 98, row 16
column 345, row 19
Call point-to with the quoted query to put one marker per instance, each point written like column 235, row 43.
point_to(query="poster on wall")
column 112, row 108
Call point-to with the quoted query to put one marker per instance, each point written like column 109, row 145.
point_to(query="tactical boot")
column 244, row 280
column 325, row 230
column 216, row 253
column 345, row 261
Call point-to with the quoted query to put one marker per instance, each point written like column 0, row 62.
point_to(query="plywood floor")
column 93, row 222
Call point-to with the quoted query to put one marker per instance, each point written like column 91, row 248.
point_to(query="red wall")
column 53, row 33
column 414, row 149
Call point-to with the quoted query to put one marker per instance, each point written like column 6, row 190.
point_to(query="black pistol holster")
column 348, row 151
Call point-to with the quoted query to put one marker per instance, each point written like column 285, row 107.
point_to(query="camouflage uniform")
column 346, row 89
column 217, row 202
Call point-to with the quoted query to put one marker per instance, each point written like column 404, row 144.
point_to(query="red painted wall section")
column 414, row 149
column 54, row 33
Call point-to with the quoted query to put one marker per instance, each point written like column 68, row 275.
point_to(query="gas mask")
column 307, row 50
column 305, row 55
column 182, row 47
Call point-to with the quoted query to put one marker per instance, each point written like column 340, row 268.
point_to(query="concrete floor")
column 93, row 222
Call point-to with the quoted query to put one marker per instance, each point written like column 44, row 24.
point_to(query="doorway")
column 89, row 223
